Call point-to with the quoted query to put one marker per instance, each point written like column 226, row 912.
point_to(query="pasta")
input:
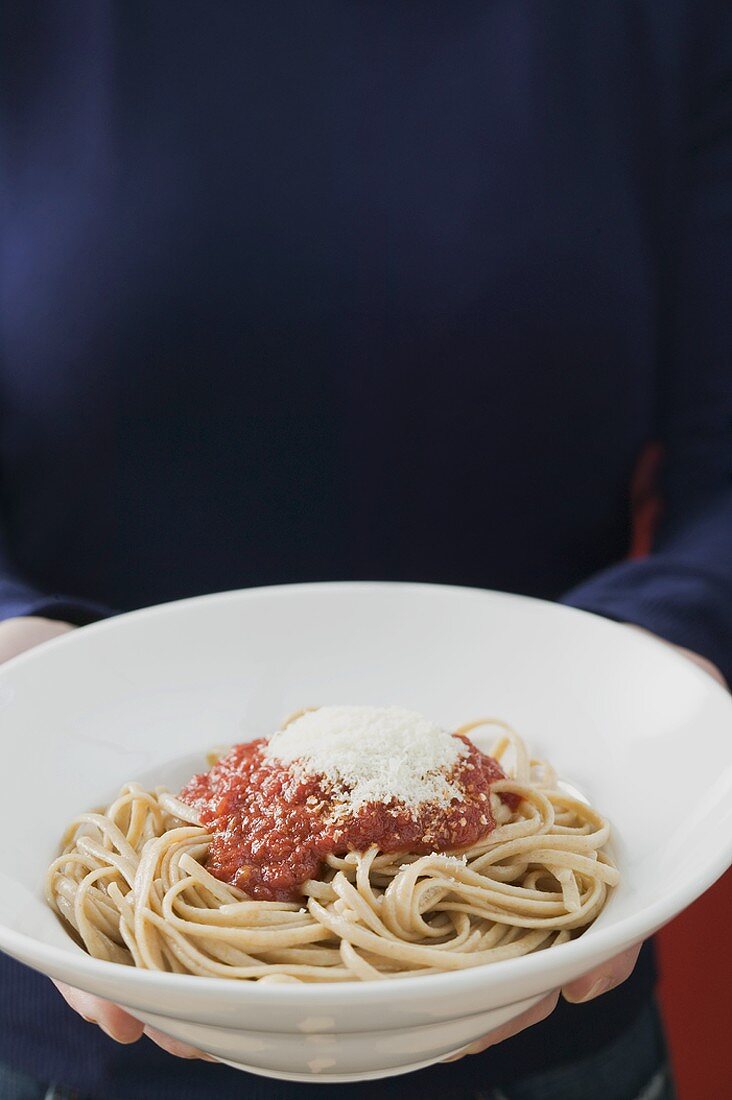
column 131, row 884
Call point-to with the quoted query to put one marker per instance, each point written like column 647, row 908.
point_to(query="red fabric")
column 645, row 500
column 695, row 952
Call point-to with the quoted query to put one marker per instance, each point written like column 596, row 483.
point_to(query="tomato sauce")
column 272, row 825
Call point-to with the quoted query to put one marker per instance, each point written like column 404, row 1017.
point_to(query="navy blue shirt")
column 300, row 290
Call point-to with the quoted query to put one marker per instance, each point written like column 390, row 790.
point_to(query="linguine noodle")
column 131, row 884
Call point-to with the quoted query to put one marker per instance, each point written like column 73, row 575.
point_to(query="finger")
column 602, row 978
column 174, row 1046
column 704, row 663
column 113, row 1020
column 18, row 635
column 533, row 1015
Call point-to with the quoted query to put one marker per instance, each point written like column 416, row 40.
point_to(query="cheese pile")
column 373, row 754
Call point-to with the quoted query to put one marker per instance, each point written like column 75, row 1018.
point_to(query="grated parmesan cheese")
column 372, row 754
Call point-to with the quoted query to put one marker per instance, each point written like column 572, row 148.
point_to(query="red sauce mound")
column 272, row 826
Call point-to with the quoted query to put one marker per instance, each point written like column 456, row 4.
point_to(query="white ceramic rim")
column 596, row 944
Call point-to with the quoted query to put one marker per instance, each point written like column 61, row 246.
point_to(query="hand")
column 702, row 662
column 603, row 978
column 600, row 980
column 16, row 636
column 120, row 1025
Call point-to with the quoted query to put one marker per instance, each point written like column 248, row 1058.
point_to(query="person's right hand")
column 17, row 636
column 120, row 1025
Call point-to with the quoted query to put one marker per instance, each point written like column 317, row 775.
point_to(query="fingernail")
column 117, row 1038
column 460, row 1053
column 602, row 985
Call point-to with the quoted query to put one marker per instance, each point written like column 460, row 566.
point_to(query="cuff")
column 19, row 599
column 681, row 604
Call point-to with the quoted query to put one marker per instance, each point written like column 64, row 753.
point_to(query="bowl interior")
column 643, row 733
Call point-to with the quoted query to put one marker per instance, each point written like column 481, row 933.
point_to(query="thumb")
column 21, row 634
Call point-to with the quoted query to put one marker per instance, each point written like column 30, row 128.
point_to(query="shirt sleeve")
column 683, row 589
column 19, row 597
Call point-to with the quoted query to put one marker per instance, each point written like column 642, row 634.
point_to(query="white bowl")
column 643, row 732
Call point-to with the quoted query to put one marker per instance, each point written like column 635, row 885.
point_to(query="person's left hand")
column 596, row 982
